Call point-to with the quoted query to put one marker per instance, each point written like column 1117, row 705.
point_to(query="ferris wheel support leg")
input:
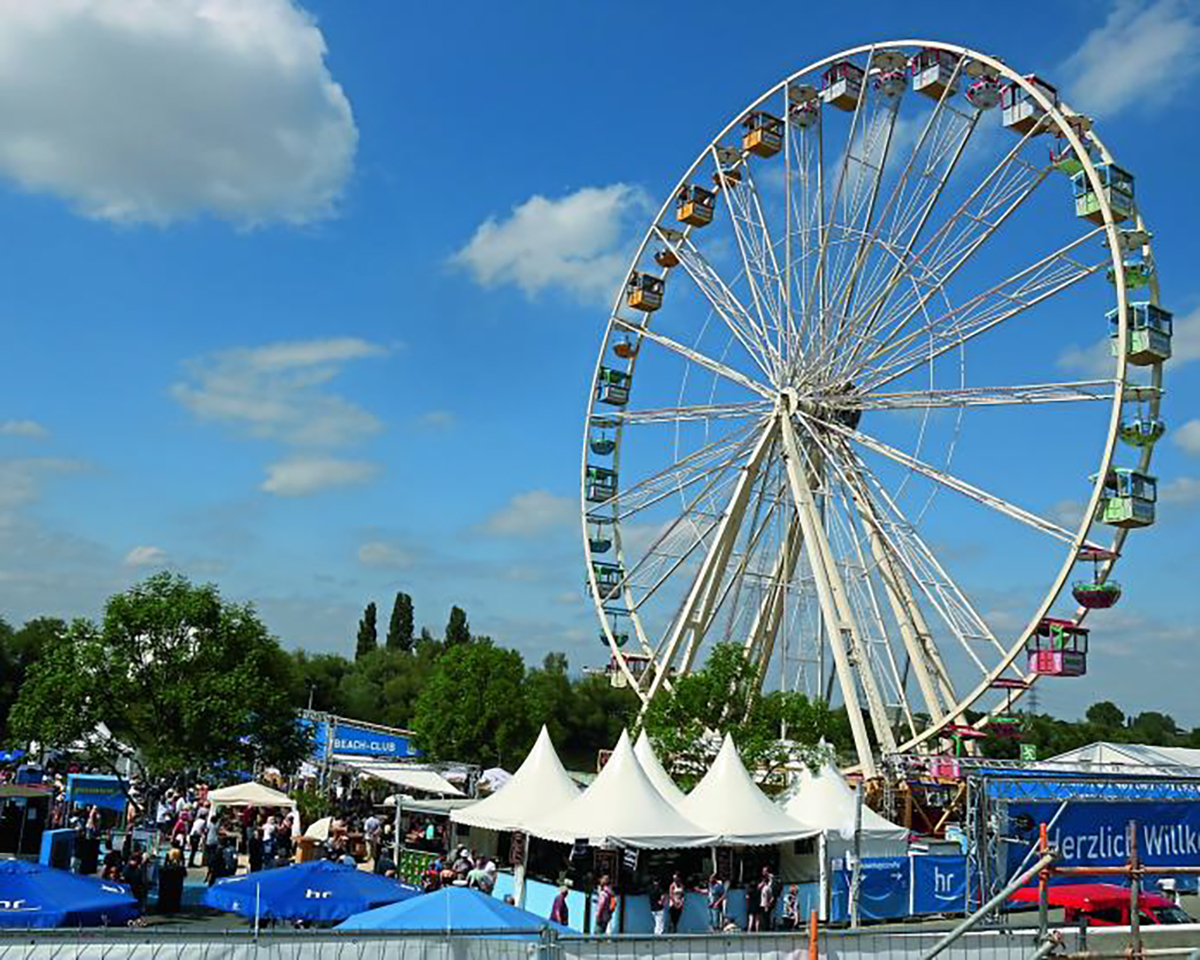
column 760, row 645
column 696, row 613
column 835, row 610
column 913, row 629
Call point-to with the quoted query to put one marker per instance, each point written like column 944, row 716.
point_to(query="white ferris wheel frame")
column 782, row 431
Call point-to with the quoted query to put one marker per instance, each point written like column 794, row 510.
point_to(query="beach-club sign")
column 352, row 740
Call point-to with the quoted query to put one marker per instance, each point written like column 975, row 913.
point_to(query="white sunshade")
column 824, row 800
column 540, row 786
column 621, row 806
column 654, row 770
column 249, row 794
column 415, row 778
column 728, row 803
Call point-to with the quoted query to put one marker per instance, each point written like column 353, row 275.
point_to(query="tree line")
column 194, row 681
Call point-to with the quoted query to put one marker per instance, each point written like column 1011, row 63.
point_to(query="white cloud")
column 155, row 111
column 578, row 242
column 1188, row 437
column 1067, row 513
column 1180, row 490
column 532, row 514
column 1142, row 56
column 22, row 428
column 437, row 419
column 146, row 556
column 302, row 476
column 278, row 391
column 21, row 478
column 380, row 553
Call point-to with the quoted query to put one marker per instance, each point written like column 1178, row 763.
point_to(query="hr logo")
column 310, row 894
column 14, row 905
column 942, row 882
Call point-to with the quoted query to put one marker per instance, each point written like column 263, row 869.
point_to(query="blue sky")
column 305, row 299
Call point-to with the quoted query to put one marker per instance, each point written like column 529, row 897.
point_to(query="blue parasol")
column 34, row 895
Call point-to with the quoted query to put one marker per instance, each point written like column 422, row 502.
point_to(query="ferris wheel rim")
column 1057, row 112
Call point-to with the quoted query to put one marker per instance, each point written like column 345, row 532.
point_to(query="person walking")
column 767, row 896
column 170, row 882
column 791, row 909
column 675, row 897
column 605, row 905
column 658, row 901
column 559, row 913
column 716, row 903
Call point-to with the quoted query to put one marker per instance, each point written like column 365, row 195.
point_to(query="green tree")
column 472, row 708
column 1154, row 728
column 1106, row 715
column 548, row 697
column 457, row 628
column 319, row 680
column 182, row 676
column 19, row 650
column 596, row 715
column 724, row 697
column 400, row 626
column 367, row 634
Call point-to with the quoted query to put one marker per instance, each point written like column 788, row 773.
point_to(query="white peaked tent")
column 654, row 770
column 728, row 803
column 539, row 786
column 621, row 806
column 825, row 801
column 249, row 794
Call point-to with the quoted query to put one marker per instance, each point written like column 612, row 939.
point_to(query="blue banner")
column 87, row 789
column 1093, row 833
column 939, row 884
column 352, row 740
column 883, row 890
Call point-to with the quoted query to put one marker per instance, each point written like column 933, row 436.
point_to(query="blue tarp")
column 319, row 890
column 96, row 788
column 33, row 895
column 452, row 908
column 883, row 889
column 1037, row 788
column 939, row 884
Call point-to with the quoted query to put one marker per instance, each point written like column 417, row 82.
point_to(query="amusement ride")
column 880, row 255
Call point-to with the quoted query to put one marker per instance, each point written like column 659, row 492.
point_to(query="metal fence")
column 881, row 944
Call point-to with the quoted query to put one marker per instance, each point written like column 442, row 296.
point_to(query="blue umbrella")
column 33, row 895
column 318, row 890
column 449, row 909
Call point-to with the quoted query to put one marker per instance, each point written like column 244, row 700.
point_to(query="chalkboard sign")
column 606, row 862
column 725, row 863
column 516, row 851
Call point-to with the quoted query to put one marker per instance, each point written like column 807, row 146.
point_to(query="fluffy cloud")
column 532, row 514
column 380, row 553
column 160, row 110
column 1143, row 55
column 278, row 391
column 578, row 243
column 22, row 428
column 437, row 419
column 303, row 476
column 146, row 556
column 21, row 479
column 1182, row 490
column 1188, row 437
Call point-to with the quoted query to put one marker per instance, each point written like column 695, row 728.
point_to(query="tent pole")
column 257, row 901
column 856, row 876
column 519, row 873
column 396, row 844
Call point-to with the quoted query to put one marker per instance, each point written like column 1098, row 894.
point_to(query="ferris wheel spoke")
column 724, row 302
column 914, row 196
column 769, row 614
column 818, row 295
column 952, row 482
column 710, row 411
column 714, row 456
column 1067, row 392
column 999, row 195
column 695, row 356
column 694, row 617
column 759, row 263
column 1035, row 284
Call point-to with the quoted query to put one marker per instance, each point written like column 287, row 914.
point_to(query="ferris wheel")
column 846, row 356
